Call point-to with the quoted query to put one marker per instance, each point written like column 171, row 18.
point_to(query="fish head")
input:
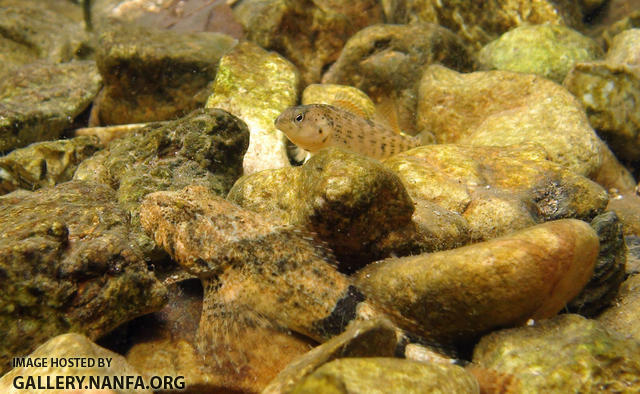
column 306, row 126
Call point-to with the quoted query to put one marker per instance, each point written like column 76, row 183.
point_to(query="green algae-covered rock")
column 69, row 262
column 204, row 148
column 609, row 90
column 500, row 108
column 348, row 200
column 256, row 86
column 455, row 296
column 71, row 346
column 546, row 50
column 372, row 338
column 480, row 22
column 309, row 33
column 497, row 190
column 44, row 163
column 152, row 75
column 31, row 31
column 38, row 101
column 386, row 62
column 566, row 354
column 384, row 375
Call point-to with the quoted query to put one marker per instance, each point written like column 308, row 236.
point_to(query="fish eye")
column 299, row 118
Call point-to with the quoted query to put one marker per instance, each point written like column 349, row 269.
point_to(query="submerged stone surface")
column 40, row 100
column 68, row 347
column 310, row 33
column 204, row 148
column 350, row 201
column 256, row 86
column 546, row 50
column 377, row 374
column 500, row 108
column 460, row 294
column 152, row 75
column 44, row 163
column 609, row 90
column 622, row 316
column 479, row 22
column 565, row 354
column 386, row 62
column 68, row 262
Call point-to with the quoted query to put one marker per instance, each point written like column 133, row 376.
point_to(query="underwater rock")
column 38, row 101
column 609, row 271
column 205, row 148
column 373, row 338
column 631, row 20
column 500, row 108
column 350, row 201
column 44, row 163
column 480, row 22
column 495, row 190
column 33, row 31
column 609, row 90
column 68, row 262
column 71, row 346
column 633, row 254
column 565, row 354
column 164, row 344
column 107, row 134
column 627, row 207
column 310, row 33
column 386, row 62
column 152, row 75
column 457, row 295
column 622, row 316
column 369, row 375
column 546, row 50
column 256, row 86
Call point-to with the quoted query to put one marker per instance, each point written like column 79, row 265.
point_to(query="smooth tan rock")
column 627, row 207
column 256, row 86
column 459, row 294
column 622, row 316
column 500, row 108
column 67, row 346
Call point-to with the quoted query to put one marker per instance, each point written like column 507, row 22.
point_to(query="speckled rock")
column 480, row 22
column 256, row 86
column 609, row 91
column 609, row 271
column 348, row 200
column 68, row 346
column 386, row 62
column 253, row 272
column 459, row 294
column 622, row 316
column 205, row 148
column 500, row 108
column 546, row 50
column 495, row 190
column 374, row 338
column 633, row 254
column 164, row 344
column 69, row 263
column 152, row 75
column 40, row 100
column 44, row 163
column 33, row 31
column 382, row 375
column 566, row 354
column 309, row 33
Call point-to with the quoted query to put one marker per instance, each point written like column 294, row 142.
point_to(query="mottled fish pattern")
column 316, row 126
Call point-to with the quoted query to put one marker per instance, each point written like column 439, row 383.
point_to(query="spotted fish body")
column 316, row 126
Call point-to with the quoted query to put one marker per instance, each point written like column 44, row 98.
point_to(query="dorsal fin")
column 387, row 114
column 344, row 101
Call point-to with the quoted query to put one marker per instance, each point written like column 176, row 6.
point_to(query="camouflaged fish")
column 316, row 126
